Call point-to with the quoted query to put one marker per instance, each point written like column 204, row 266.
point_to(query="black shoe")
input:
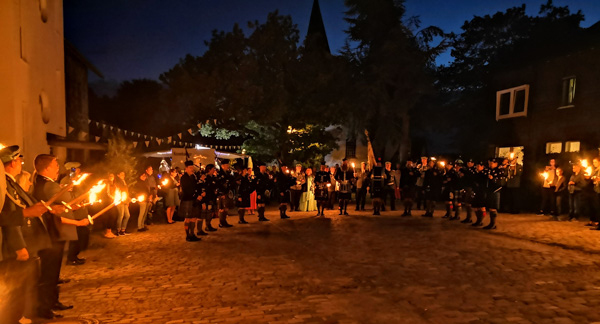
column 210, row 229
column 340, row 212
column 48, row 314
column 226, row 225
column 376, row 214
column 75, row 262
column 466, row 221
column 264, row 219
column 595, row 228
column 489, row 227
column 477, row 224
column 243, row 222
column 192, row 238
column 63, row 281
column 142, row 229
column 61, row 307
column 446, row 216
column 589, row 224
column 427, row 215
column 346, row 213
column 285, row 217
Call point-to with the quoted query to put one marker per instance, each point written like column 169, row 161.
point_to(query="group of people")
column 35, row 227
column 581, row 190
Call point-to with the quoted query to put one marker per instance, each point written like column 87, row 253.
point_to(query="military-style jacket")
column 19, row 232
column 43, row 189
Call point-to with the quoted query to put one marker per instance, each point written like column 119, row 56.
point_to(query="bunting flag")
column 70, row 130
column 169, row 139
column 145, row 136
column 125, row 132
column 97, row 124
column 97, row 139
column 135, row 144
column 158, row 141
column 147, row 143
column 179, row 135
column 103, row 126
column 139, row 135
column 215, row 122
column 111, row 127
column 89, row 121
column 190, row 131
column 207, row 121
column 199, row 125
column 84, row 134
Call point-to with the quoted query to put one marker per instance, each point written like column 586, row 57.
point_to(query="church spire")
column 316, row 37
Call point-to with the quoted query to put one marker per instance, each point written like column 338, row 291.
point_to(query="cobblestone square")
column 343, row 269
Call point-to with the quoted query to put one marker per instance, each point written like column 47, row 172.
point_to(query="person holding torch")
column 61, row 227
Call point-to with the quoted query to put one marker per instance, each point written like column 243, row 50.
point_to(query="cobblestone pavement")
column 343, row 269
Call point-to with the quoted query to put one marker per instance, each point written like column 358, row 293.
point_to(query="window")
column 553, row 147
column 351, row 148
column 572, row 146
column 512, row 102
column 568, row 92
column 511, row 152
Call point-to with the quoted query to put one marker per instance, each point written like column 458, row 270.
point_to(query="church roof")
column 316, row 34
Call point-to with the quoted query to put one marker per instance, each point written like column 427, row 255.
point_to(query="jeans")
column 122, row 216
column 575, row 204
column 143, row 213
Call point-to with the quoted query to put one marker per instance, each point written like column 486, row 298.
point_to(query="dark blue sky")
column 128, row 39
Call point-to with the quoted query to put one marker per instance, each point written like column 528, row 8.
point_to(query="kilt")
column 493, row 200
column 345, row 195
column 243, row 201
column 284, row 197
column 408, row 192
column 321, row 194
column 479, row 199
column 188, row 209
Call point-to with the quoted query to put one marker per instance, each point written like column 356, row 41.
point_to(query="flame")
column 329, row 185
column 588, row 171
column 443, row 164
column 82, row 177
column 512, row 156
column 96, row 189
column 545, row 175
column 584, row 163
column 165, row 182
column 287, row 171
column 141, row 198
column 353, row 165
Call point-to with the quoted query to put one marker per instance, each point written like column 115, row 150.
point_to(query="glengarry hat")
column 10, row 153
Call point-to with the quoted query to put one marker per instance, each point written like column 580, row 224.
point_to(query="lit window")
column 553, row 147
column 511, row 152
column 512, row 102
column 568, row 92
column 572, row 146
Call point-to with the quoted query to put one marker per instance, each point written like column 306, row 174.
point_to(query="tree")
column 487, row 46
column 120, row 157
column 260, row 85
column 390, row 66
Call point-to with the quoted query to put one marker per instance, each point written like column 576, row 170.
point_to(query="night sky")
column 143, row 38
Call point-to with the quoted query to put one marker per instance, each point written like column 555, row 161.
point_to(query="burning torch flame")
column 512, row 156
column 140, row 198
column 443, row 164
column 353, row 165
column 165, row 182
column 545, row 175
column 81, row 178
column 587, row 167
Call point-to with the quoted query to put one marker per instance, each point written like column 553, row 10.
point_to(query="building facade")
column 32, row 75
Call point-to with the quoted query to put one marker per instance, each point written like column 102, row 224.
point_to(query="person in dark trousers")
column 391, row 183
column 191, row 201
column 284, row 182
column 513, row 186
column 560, row 193
column 62, row 228
column 575, row 186
column 362, row 183
column 262, row 184
column 83, row 232
column 23, row 234
column 408, row 181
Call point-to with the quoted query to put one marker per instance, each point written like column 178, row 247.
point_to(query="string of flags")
column 148, row 140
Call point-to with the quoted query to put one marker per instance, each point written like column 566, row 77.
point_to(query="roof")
column 72, row 50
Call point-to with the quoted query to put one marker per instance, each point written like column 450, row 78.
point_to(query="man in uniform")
column 213, row 189
column 496, row 177
column 420, row 189
column 377, row 187
column 83, row 232
column 23, row 235
column 432, row 184
column 284, row 183
column 344, row 177
column 362, row 182
column 262, row 184
column 479, row 182
column 390, row 186
column 61, row 227
column 467, row 177
column 408, row 181
column 450, row 178
column 191, row 201
column 297, row 188
column 322, row 184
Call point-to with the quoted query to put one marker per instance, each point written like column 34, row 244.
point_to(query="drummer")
column 322, row 182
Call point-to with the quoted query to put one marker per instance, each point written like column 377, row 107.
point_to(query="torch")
column 92, row 194
column 66, row 188
column 443, row 164
column 119, row 197
column 140, row 198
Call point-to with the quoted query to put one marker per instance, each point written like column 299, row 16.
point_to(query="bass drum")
column 321, row 194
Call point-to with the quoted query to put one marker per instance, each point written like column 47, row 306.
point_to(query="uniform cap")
column 10, row 153
column 188, row 163
column 72, row 165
